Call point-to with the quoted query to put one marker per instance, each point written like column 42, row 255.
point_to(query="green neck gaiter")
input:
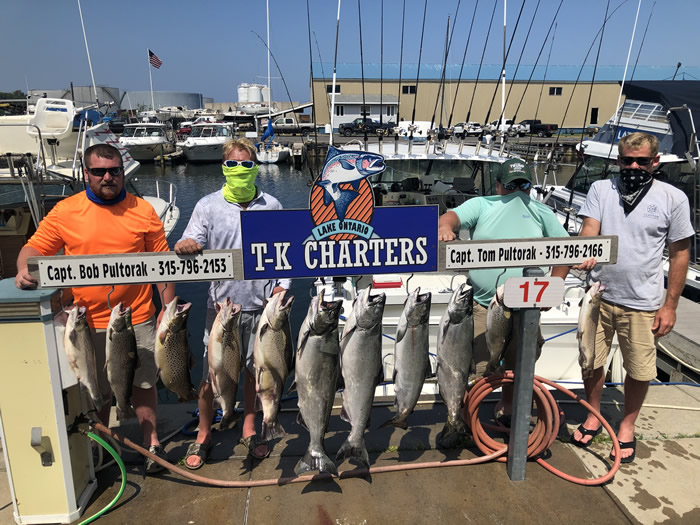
column 240, row 183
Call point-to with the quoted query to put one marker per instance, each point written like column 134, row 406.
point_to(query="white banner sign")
column 552, row 251
column 132, row 268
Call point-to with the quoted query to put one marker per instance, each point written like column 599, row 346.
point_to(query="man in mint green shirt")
column 510, row 214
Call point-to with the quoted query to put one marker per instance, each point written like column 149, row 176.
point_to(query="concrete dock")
column 659, row 487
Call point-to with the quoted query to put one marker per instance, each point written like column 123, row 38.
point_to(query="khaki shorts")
column 634, row 334
column 481, row 349
column 248, row 328
column 146, row 374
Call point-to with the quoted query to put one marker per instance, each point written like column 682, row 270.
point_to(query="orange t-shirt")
column 83, row 227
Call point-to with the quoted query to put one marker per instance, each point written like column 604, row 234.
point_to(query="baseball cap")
column 513, row 169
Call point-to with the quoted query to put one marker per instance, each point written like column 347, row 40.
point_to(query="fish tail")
column 342, row 203
column 123, row 414
column 229, row 420
column 272, row 430
column 398, row 421
column 315, row 461
column 354, row 451
column 188, row 396
column 453, row 434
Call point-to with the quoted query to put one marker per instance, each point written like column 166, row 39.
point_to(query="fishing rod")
column 505, row 58
column 415, row 95
column 323, row 73
column 459, row 80
column 291, row 103
column 381, row 83
column 481, row 63
column 441, row 87
column 517, row 66
column 550, row 157
column 362, row 69
column 313, row 97
column 335, row 65
column 429, row 138
column 580, row 149
column 398, row 106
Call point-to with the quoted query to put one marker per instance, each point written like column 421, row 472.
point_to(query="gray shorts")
column 147, row 373
column 248, row 328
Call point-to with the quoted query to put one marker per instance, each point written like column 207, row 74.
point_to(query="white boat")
column 663, row 109
column 272, row 153
column 40, row 164
column 206, row 141
column 147, row 140
column 447, row 175
column 174, row 112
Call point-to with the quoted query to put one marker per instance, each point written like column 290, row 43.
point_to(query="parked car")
column 359, row 125
column 506, row 126
column 471, row 128
column 536, row 127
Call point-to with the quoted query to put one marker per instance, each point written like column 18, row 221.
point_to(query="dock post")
column 522, row 389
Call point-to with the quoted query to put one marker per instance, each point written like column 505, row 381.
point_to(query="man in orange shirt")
column 106, row 219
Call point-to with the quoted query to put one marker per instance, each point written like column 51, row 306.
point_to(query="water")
column 194, row 181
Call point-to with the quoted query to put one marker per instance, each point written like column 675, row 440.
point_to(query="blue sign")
column 622, row 131
column 289, row 243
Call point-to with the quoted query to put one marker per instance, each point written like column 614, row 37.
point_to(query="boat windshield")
column 403, row 172
column 201, row 131
column 154, row 132
column 223, row 131
column 593, row 169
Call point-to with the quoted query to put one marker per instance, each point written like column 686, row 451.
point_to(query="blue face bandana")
column 97, row 200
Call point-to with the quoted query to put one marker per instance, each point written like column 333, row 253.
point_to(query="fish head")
column 596, row 290
column 350, row 166
column 175, row 316
column 325, row 314
column 368, row 308
column 278, row 308
column 417, row 307
column 229, row 313
column 461, row 302
column 120, row 318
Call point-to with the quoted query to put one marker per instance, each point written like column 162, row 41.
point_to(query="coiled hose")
column 540, row 439
column 119, row 461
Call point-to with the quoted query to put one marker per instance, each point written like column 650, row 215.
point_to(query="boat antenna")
column 505, row 58
column 616, row 125
column 87, row 49
column 481, row 63
column 398, row 105
column 335, row 65
column 313, row 98
column 415, row 95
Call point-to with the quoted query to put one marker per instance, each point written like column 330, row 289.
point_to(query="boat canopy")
column 671, row 94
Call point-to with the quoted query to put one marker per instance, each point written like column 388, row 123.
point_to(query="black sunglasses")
column 641, row 161
column 514, row 186
column 114, row 171
column 245, row 163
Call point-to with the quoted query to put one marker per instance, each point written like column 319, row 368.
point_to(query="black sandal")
column 626, row 444
column 585, row 432
column 251, row 443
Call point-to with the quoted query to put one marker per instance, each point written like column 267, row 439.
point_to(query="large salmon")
column 587, row 325
column 122, row 359
column 224, row 359
column 80, row 352
column 173, row 356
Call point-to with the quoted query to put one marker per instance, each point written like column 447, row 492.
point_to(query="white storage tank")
column 254, row 93
column 243, row 93
column 266, row 94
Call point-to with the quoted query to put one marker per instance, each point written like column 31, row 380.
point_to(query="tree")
column 16, row 94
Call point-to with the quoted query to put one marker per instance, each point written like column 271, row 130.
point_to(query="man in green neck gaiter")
column 215, row 225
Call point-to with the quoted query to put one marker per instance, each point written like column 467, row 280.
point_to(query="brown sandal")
column 251, row 443
column 201, row 450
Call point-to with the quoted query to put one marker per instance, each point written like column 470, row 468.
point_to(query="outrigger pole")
column 335, row 65
column 87, row 49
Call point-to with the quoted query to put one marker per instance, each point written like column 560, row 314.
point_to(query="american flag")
column 154, row 60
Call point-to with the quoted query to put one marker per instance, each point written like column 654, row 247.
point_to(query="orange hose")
column 540, row 439
column 546, row 427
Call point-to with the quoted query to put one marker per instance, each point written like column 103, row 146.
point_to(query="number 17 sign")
column 533, row 292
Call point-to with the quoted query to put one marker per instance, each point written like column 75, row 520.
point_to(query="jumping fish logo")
column 341, row 201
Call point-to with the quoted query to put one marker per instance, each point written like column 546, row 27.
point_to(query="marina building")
column 553, row 94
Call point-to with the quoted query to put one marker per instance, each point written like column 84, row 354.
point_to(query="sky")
column 210, row 47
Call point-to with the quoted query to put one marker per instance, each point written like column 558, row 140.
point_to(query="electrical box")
column 51, row 474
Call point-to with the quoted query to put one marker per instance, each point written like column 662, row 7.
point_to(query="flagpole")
column 150, row 77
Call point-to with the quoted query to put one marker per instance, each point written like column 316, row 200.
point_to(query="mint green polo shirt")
column 513, row 216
